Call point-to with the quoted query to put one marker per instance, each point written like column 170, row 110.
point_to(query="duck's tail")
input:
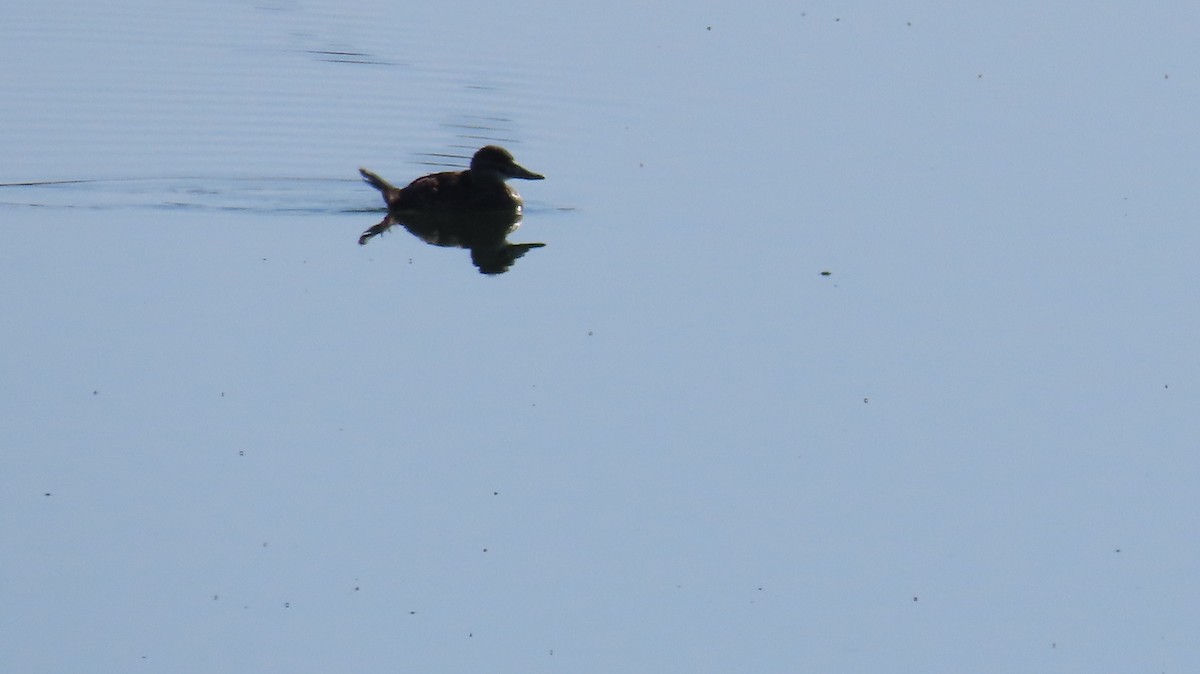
column 376, row 182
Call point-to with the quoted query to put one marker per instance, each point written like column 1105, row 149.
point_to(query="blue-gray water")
column 234, row 440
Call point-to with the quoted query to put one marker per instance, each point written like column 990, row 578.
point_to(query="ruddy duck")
column 479, row 188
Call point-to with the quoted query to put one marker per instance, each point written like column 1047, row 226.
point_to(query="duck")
column 482, row 187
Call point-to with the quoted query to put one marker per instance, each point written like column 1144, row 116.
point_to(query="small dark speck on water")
column 216, row 597
column 412, row 612
column 46, row 494
column 709, row 28
column 826, row 273
column 95, row 392
column 866, row 400
column 495, row 493
column 589, row 333
column 287, row 604
column 241, row 452
column 914, row 598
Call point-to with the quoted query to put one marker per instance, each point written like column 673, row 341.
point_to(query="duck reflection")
column 485, row 234
column 473, row 209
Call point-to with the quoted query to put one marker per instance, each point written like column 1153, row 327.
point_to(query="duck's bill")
column 522, row 172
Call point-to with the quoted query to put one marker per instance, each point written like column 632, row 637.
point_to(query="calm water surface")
column 235, row 440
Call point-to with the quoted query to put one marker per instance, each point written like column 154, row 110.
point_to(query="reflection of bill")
column 485, row 234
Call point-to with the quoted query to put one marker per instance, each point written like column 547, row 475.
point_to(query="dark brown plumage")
column 479, row 188
column 473, row 209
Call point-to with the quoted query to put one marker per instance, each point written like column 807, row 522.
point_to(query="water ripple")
column 264, row 195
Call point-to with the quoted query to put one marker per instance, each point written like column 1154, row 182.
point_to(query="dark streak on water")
column 267, row 195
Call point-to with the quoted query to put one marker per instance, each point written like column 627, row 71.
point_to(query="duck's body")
column 473, row 209
column 479, row 188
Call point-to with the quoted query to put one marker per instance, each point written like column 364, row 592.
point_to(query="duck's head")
column 495, row 161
